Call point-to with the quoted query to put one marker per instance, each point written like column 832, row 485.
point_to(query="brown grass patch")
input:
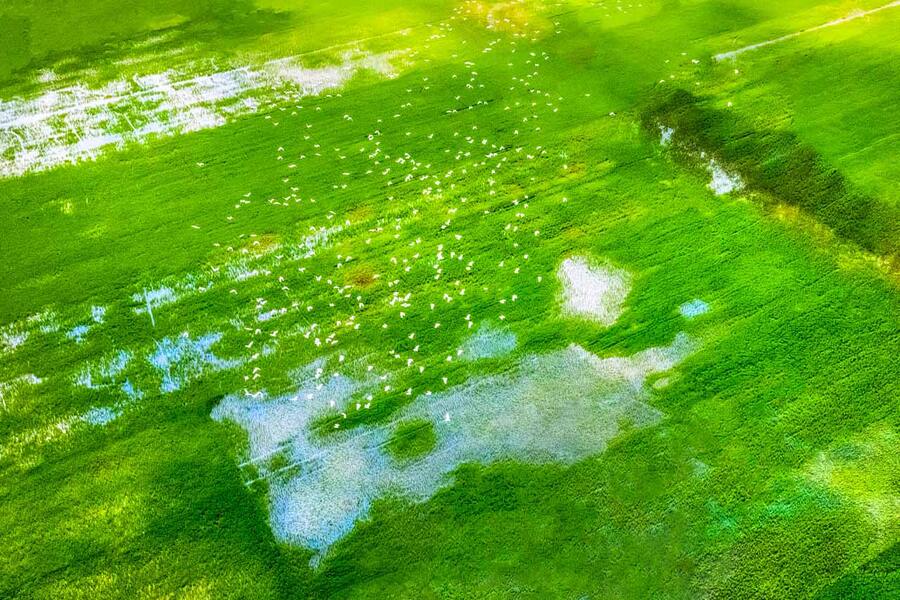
column 361, row 276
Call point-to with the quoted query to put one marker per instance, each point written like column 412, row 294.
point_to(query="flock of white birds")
column 558, row 406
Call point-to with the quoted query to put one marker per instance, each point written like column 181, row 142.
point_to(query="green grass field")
column 442, row 299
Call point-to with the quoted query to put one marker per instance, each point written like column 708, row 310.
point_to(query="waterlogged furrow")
column 174, row 363
column 259, row 262
column 253, row 264
column 77, row 122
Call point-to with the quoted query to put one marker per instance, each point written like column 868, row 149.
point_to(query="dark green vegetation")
column 774, row 471
column 412, row 439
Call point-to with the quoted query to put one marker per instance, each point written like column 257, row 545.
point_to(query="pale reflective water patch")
column 182, row 359
column 665, row 135
column 270, row 314
column 104, row 372
column 107, row 374
column 100, row 415
column 98, row 313
column 11, row 337
column 14, row 335
column 154, row 298
column 130, row 391
column 488, row 341
column 722, row 181
column 694, row 308
column 593, row 291
column 553, row 408
column 78, row 333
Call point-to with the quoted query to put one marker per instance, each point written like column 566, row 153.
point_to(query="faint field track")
column 851, row 17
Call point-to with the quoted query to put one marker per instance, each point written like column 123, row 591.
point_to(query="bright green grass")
column 771, row 474
column 835, row 87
